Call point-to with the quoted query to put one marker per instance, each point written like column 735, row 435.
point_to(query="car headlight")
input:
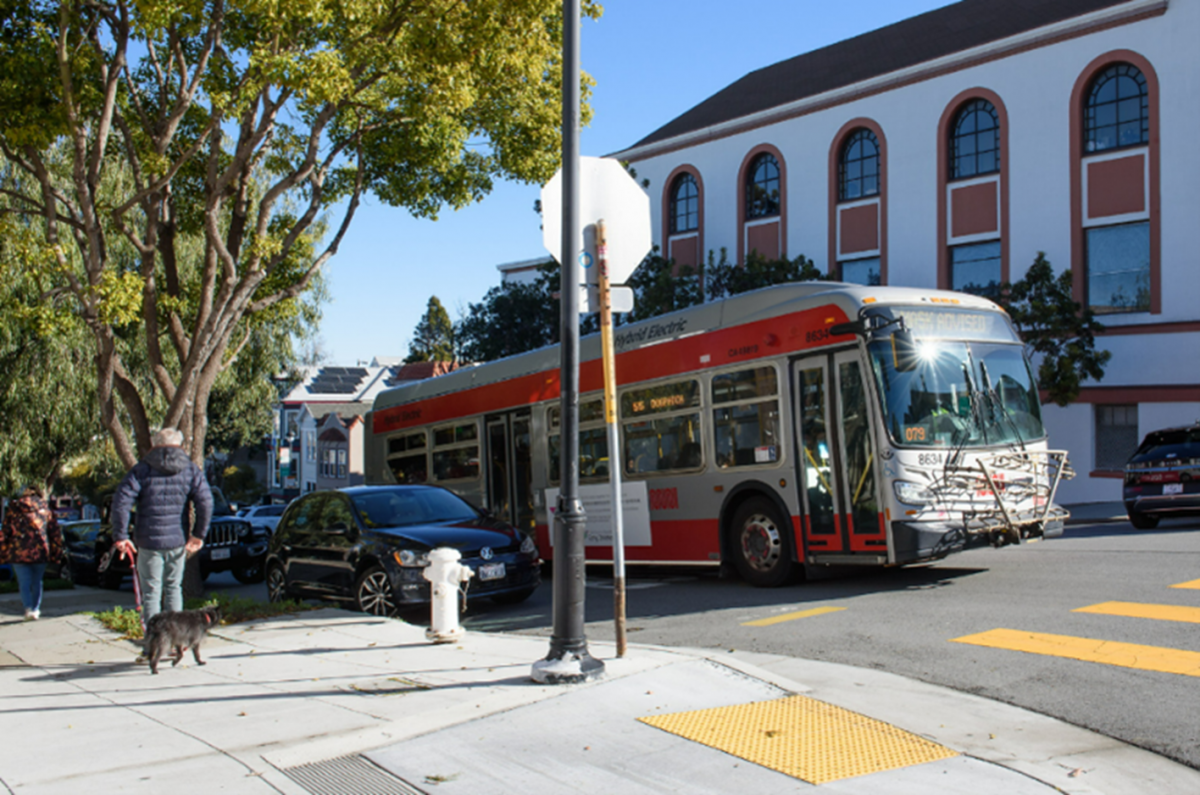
column 912, row 493
column 243, row 530
column 411, row 559
column 528, row 546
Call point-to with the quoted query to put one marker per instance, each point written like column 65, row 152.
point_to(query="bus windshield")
column 960, row 394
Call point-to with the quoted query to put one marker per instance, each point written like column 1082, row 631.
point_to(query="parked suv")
column 1163, row 477
column 265, row 516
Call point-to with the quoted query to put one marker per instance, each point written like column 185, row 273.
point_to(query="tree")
column 178, row 158
column 723, row 278
column 659, row 286
column 1056, row 328
column 433, row 338
column 512, row 318
column 47, row 391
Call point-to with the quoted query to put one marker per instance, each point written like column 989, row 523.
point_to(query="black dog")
column 178, row 630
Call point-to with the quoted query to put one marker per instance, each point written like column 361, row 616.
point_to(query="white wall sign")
column 597, row 507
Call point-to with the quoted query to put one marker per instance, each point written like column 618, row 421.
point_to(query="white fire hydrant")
column 445, row 574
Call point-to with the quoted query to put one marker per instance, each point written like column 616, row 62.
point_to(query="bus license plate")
column 219, row 554
column 491, row 571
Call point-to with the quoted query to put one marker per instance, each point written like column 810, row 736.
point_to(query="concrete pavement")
column 332, row 702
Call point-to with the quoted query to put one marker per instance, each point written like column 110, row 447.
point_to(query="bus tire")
column 759, row 542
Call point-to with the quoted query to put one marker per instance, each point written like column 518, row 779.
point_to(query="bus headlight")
column 912, row 493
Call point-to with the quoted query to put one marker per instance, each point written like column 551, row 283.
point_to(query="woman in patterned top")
column 29, row 539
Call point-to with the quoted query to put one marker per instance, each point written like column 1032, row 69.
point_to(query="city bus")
column 802, row 425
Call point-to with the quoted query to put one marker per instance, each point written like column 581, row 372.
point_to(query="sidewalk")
column 335, row 702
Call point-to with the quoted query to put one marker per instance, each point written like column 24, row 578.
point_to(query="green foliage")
column 185, row 169
column 241, row 485
column 234, row 610
column 1057, row 330
column 433, row 338
column 723, row 278
column 659, row 286
column 512, row 318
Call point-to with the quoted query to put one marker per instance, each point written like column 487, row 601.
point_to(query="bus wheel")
column 759, row 545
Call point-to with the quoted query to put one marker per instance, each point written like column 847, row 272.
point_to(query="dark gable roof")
column 932, row 35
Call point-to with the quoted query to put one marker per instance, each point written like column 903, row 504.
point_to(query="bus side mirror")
column 852, row 327
column 904, row 351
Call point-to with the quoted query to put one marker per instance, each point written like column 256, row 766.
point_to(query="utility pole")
column 568, row 660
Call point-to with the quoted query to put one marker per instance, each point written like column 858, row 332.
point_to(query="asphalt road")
column 905, row 621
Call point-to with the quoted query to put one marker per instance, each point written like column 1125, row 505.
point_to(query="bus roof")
column 737, row 310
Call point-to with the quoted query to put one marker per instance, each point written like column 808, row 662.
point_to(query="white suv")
column 265, row 516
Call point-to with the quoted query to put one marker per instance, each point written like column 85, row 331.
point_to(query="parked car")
column 232, row 544
column 264, row 516
column 1162, row 479
column 369, row 545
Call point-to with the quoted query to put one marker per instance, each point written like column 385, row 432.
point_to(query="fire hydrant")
column 445, row 574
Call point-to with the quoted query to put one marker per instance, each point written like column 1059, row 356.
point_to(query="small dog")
column 179, row 630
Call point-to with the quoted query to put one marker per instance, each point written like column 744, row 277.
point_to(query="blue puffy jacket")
column 162, row 484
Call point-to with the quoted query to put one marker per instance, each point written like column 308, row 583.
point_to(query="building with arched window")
column 954, row 147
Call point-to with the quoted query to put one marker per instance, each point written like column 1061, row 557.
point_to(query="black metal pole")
column 568, row 659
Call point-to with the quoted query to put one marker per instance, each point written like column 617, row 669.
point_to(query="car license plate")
column 491, row 571
column 1172, row 488
column 219, row 554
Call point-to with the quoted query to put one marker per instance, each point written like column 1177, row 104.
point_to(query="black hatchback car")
column 369, row 545
column 1162, row 479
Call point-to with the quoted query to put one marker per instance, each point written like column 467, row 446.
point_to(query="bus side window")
column 745, row 425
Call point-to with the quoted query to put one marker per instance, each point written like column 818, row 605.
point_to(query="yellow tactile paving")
column 1107, row 652
column 804, row 738
column 1189, row 615
column 1189, row 584
column 766, row 622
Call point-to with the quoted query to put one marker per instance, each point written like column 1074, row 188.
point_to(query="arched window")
column 975, row 141
column 685, row 205
column 762, row 187
column 1116, row 112
column 858, row 168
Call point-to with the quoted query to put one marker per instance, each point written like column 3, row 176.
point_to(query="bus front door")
column 838, row 483
column 510, row 469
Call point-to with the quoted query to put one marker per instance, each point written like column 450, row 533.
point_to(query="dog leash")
column 137, row 590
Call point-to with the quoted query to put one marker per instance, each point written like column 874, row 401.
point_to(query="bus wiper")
column 962, row 435
column 996, row 405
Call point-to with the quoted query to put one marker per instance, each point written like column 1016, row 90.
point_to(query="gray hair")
column 167, row 437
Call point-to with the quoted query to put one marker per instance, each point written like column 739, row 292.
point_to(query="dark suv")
column 1163, row 477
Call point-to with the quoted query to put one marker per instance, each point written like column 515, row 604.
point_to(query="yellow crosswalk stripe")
column 1190, row 584
column 1190, row 615
column 1107, row 652
column 766, row 622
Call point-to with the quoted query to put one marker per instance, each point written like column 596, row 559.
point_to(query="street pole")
column 568, row 660
column 614, row 450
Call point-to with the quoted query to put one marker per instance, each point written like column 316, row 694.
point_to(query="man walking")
column 161, row 484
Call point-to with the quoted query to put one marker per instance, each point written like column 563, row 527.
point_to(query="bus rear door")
column 510, row 468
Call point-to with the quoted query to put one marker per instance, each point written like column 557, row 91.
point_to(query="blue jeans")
column 29, row 582
column 160, row 575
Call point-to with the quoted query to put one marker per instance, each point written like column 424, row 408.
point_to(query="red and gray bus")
column 801, row 425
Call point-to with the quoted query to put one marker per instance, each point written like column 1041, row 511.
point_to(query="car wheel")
column 250, row 574
column 1142, row 521
column 277, row 587
column 760, row 547
column 373, row 593
column 513, row 598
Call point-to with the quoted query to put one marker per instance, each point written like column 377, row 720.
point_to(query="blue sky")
column 652, row 60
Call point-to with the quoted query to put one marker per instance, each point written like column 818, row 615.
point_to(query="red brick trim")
column 1075, row 109
column 1151, row 328
column 1173, row 393
column 741, row 199
column 943, row 179
column 1107, row 473
column 835, row 154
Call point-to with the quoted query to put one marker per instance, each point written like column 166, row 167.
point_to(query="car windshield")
column 1179, row 444
column 959, row 394
column 407, row 507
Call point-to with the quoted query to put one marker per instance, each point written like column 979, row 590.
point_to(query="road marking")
column 1190, row 584
column 1190, row 615
column 766, row 622
column 804, row 738
column 1107, row 652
